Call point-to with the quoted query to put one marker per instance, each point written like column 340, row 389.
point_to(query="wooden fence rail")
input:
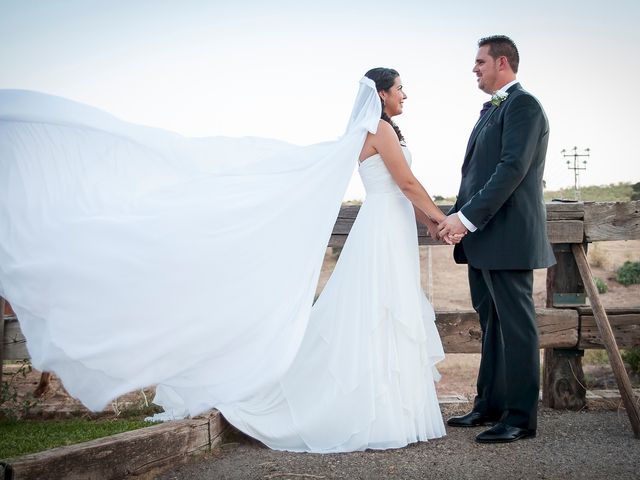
column 566, row 223
column 460, row 330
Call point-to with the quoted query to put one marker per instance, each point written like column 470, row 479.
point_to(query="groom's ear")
column 503, row 63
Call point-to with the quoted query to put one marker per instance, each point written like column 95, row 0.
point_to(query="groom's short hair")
column 502, row 46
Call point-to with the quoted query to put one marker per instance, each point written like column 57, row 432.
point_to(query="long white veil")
column 134, row 256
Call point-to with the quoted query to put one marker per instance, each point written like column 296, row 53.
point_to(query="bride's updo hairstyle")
column 384, row 78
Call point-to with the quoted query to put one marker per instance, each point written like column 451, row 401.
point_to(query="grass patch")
column 632, row 357
column 19, row 437
column 601, row 285
column 629, row 273
column 596, row 357
column 614, row 192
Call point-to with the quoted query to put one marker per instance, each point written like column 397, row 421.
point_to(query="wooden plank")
column 342, row 226
column 337, row 241
column 567, row 208
column 600, row 316
column 14, row 344
column 218, row 428
column 565, row 231
column 564, row 224
column 118, row 456
column 425, row 240
column 612, row 221
column 625, row 323
column 588, row 311
column 349, row 211
column 566, row 211
column 576, row 215
column 460, row 330
column 625, row 328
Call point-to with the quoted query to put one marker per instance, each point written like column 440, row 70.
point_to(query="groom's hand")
column 451, row 229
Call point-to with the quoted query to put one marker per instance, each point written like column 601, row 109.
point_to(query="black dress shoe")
column 503, row 433
column 471, row 419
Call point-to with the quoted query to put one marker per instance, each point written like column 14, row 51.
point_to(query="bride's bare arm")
column 386, row 143
column 421, row 217
column 427, row 222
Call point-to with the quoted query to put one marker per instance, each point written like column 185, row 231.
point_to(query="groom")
column 500, row 205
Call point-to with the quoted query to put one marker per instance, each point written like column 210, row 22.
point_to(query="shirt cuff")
column 470, row 226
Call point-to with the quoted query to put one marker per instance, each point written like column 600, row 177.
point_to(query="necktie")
column 485, row 106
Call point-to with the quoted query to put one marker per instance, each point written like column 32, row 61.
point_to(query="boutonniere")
column 498, row 97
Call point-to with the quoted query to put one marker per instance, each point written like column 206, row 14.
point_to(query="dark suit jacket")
column 501, row 187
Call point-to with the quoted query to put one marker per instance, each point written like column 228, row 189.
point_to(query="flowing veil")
column 134, row 256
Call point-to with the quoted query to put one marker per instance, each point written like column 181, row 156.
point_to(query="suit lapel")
column 474, row 134
column 479, row 126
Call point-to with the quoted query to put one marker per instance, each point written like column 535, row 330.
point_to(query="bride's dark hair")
column 384, row 79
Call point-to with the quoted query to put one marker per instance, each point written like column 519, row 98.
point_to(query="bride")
column 134, row 257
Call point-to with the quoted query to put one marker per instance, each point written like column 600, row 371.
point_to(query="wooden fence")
column 567, row 326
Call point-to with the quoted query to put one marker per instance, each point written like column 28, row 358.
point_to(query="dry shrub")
column 597, row 258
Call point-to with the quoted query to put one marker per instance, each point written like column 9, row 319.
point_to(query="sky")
column 290, row 70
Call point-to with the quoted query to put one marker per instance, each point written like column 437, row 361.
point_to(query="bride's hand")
column 432, row 227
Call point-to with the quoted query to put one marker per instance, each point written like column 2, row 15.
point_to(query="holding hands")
column 450, row 230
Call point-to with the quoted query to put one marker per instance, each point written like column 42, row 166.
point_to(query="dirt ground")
column 587, row 445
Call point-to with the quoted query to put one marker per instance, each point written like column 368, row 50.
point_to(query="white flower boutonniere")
column 498, row 97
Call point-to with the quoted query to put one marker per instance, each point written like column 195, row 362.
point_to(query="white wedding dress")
column 137, row 257
column 364, row 374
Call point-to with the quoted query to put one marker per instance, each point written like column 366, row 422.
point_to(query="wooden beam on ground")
column 460, row 330
column 612, row 221
column 134, row 453
column 600, row 316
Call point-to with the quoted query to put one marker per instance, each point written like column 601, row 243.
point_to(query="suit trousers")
column 509, row 376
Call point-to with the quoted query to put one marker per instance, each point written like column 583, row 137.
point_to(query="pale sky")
column 290, row 69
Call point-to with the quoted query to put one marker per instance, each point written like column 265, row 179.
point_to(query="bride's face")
column 393, row 98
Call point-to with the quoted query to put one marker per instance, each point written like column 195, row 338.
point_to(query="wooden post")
column 563, row 377
column 609, row 341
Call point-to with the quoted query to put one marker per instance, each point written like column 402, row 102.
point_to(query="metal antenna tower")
column 576, row 167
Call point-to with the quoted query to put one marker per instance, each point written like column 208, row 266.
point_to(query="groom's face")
column 486, row 70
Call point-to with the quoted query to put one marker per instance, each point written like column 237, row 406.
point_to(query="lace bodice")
column 375, row 176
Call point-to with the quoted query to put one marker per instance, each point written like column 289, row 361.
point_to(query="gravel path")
column 595, row 444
